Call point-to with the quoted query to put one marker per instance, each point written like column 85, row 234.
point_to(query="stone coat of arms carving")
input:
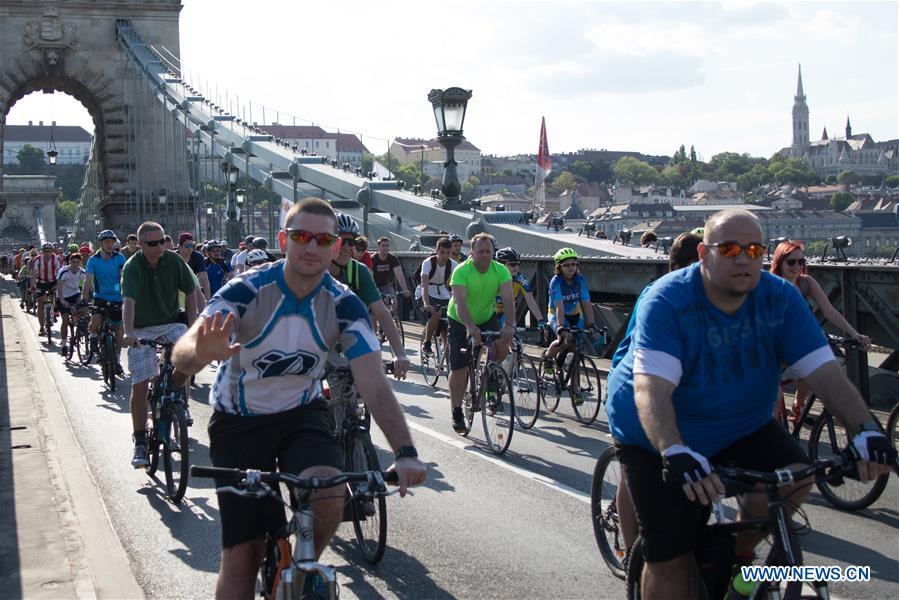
column 52, row 35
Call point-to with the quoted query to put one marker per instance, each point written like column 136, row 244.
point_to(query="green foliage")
column 65, row 212
column 848, row 177
column 410, row 174
column 692, row 154
column 728, row 166
column 470, row 188
column 633, row 171
column 882, row 251
column 680, row 156
column 831, row 180
column 793, row 171
column 840, row 201
column 508, row 172
column 563, row 181
column 892, row 181
column 31, row 160
column 815, row 248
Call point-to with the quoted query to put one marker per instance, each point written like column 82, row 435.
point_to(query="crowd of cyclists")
column 693, row 383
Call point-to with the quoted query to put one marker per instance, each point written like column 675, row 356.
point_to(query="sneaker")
column 459, row 423
column 427, row 348
column 549, row 368
column 140, row 460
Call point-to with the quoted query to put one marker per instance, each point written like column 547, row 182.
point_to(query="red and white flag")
column 544, row 167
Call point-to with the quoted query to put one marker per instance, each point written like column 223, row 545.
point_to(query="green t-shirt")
column 155, row 291
column 483, row 288
column 359, row 278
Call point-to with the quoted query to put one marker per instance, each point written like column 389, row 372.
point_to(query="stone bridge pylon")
column 71, row 46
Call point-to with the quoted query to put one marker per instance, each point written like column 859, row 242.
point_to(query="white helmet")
column 256, row 257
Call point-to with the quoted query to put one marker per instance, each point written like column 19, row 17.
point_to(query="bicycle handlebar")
column 250, row 477
column 847, row 343
column 157, row 343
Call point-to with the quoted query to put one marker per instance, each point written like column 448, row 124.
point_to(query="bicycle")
column 715, row 552
column 79, row 338
column 524, row 375
column 390, row 302
column 579, row 375
column 490, row 393
column 169, row 420
column 105, row 349
column 893, row 426
column 827, row 437
column 434, row 363
column 368, row 515
column 604, row 511
column 47, row 310
column 284, row 567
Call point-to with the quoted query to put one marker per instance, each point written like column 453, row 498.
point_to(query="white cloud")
column 643, row 39
column 830, row 24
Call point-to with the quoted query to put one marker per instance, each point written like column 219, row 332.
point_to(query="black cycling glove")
column 873, row 446
column 683, row 465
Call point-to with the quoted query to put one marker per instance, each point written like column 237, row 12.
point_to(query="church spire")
column 800, row 121
column 800, row 94
column 848, row 128
column 824, row 135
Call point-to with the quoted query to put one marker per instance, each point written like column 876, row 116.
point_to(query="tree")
column 631, row 170
column 692, row 154
column 892, row 181
column 564, row 181
column 848, row 178
column 680, row 156
column 31, row 160
column 409, row 173
column 831, row 180
column 728, row 166
column 581, row 168
column 65, row 212
column 470, row 188
column 840, row 201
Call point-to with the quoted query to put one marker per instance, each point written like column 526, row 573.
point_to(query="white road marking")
column 467, row 447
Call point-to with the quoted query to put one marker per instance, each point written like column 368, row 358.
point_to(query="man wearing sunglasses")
column 697, row 388
column 187, row 250
column 151, row 281
column 274, row 327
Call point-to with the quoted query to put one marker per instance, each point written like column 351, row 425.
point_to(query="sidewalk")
column 55, row 538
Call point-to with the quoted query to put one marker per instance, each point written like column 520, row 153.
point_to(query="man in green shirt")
column 151, row 280
column 475, row 284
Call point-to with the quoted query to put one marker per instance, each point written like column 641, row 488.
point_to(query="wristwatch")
column 406, row 452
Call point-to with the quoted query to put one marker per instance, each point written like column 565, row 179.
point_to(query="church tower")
column 800, row 121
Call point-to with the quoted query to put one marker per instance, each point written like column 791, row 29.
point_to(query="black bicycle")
column 604, row 511
column 490, row 393
column 48, row 309
column 827, row 437
column 167, row 434
column 390, row 302
column 578, row 374
column 525, row 378
column 715, row 553
column 79, row 336
column 285, row 566
column 368, row 514
column 104, row 346
column 434, row 363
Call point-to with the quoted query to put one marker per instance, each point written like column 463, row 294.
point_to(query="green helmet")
column 73, row 247
column 564, row 254
column 700, row 231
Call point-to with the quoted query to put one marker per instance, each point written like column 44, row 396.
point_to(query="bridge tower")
column 139, row 148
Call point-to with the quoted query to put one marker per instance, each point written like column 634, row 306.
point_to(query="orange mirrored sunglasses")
column 731, row 249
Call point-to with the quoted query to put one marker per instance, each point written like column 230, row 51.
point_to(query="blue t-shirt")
column 216, row 272
column 731, row 364
column 570, row 294
column 284, row 340
column 621, row 351
column 107, row 274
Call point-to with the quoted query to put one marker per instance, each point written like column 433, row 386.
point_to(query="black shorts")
column 668, row 522
column 290, row 441
column 112, row 310
column 73, row 299
column 46, row 287
column 458, row 341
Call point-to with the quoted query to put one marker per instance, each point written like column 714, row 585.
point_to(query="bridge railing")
column 84, row 227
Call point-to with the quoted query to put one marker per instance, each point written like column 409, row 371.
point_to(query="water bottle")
column 739, row 588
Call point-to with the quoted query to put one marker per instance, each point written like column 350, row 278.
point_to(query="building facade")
column 72, row 142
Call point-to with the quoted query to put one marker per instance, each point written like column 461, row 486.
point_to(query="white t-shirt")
column 239, row 261
column 70, row 283
column 436, row 280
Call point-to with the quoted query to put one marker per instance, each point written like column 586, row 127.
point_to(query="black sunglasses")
column 794, row 261
column 512, row 264
column 153, row 243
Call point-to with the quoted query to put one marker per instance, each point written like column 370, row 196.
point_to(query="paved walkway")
column 55, row 537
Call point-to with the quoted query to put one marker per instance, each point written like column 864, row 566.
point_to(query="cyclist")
column 569, row 306
column 151, row 281
column 260, row 243
column 86, row 252
column 217, row 268
column 196, row 262
column 255, row 258
column 103, row 285
column 387, row 270
column 434, row 292
column 283, row 319
column 521, row 286
column 457, row 254
column 239, row 260
column 476, row 283
column 697, row 387
column 364, row 256
column 43, row 271
column 789, row 263
column 71, row 278
column 23, row 277
column 130, row 248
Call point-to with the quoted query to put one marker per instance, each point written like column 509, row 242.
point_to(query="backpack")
column 432, row 266
column 352, row 275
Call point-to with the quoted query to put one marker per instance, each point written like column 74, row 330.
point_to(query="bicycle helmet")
column 700, row 231
column 564, row 254
column 256, row 257
column 107, row 234
column 260, row 243
column 73, row 247
column 505, row 255
column 345, row 224
column 455, row 238
column 47, row 246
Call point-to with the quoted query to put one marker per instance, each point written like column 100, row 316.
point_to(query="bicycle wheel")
column 176, row 452
column 430, row 370
column 776, row 557
column 589, row 390
column 634, row 573
column 604, row 511
column 399, row 328
column 497, row 408
column 828, row 438
column 48, row 322
column 549, row 392
column 156, row 425
column 109, row 362
column 893, row 426
column 369, row 514
column 526, row 387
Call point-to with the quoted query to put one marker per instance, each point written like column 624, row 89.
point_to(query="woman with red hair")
column 789, row 263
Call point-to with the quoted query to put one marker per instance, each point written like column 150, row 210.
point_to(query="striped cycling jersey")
column 46, row 267
column 285, row 340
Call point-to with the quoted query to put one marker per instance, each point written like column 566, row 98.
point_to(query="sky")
column 644, row 77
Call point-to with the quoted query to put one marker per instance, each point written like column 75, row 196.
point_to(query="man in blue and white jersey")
column 697, row 388
column 274, row 327
column 104, row 283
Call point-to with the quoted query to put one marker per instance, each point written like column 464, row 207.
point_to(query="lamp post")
column 163, row 199
column 240, row 195
column 210, row 221
column 232, row 226
column 449, row 111
column 52, row 154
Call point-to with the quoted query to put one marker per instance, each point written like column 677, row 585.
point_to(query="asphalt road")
column 516, row 526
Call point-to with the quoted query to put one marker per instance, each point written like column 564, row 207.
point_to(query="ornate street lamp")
column 163, row 197
column 449, row 112
column 51, row 151
column 233, row 227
